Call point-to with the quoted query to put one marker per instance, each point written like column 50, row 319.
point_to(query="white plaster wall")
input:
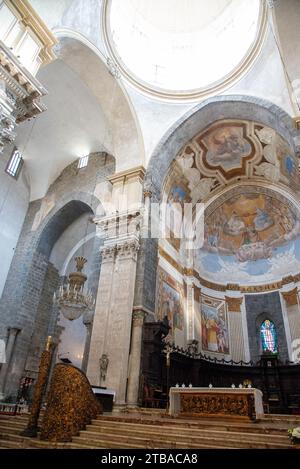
column 14, row 200
column 73, row 125
column 51, row 15
column 287, row 14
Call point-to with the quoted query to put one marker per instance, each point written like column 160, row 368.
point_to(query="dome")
column 183, row 48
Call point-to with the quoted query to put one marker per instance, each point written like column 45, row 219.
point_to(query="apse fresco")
column 169, row 301
column 174, row 214
column 251, row 237
column 214, row 326
column 250, row 227
column 226, row 147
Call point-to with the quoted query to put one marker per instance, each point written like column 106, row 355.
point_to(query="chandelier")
column 71, row 299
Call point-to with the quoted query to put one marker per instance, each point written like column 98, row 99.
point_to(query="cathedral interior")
column 149, row 217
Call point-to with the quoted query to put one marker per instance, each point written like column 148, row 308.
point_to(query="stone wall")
column 25, row 302
column 14, row 196
column 259, row 308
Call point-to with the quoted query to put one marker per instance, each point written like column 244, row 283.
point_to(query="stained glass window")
column 268, row 336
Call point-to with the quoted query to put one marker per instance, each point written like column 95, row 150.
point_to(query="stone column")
column 102, row 311
column 190, row 317
column 13, row 331
column 113, row 313
column 88, row 322
column 292, row 309
column 135, row 358
column 147, row 211
column 237, row 349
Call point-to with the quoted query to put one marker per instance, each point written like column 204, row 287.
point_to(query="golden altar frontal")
column 243, row 403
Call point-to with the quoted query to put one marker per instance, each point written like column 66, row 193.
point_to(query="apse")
column 238, row 170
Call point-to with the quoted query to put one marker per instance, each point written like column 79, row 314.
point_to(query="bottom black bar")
column 140, row 458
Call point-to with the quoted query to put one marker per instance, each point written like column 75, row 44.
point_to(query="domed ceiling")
column 240, row 171
column 180, row 47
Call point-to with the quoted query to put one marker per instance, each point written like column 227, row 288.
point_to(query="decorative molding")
column 20, row 95
column 113, row 68
column 232, row 287
column 138, row 172
column 234, row 303
column 171, row 261
column 291, row 297
column 31, row 20
column 261, row 288
column 287, row 280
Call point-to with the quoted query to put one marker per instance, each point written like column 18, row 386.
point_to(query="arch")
column 109, row 91
column 58, row 223
column 205, row 114
column 61, row 216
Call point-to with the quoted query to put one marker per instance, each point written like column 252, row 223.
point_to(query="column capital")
column 290, row 297
column 234, row 303
column 138, row 318
column 108, row 253
column 127, row 249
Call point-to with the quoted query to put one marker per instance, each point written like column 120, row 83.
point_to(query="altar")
column 243, row 403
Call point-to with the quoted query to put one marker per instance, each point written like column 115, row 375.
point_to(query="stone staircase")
column 155, row 430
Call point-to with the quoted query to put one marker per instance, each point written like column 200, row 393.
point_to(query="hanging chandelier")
column 71, row 299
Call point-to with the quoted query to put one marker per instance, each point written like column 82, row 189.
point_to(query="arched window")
column 268, row 336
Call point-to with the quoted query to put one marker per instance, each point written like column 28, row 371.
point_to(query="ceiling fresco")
column 230, row 151
column 252, row 233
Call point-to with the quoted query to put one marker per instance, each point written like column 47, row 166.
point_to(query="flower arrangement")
column 294, row 434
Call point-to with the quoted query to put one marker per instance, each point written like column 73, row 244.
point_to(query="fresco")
column 214, row 326
column 170, row 302
column 250, row 227
column 174, row 215
column 250, row 238
column 226, row 147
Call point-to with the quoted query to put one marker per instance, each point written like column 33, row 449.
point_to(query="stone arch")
column 205, row 114
column 61, row 216
column 196, row 120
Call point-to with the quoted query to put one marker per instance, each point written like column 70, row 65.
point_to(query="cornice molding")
column 31, row 20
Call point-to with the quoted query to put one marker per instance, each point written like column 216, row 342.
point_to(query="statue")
column 103, row 366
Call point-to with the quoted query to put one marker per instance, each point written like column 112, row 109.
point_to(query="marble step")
column 139, row 429
column 158, row 440
column 12, row 426
column 83, row 442
column 208, row 425
column 293, row 420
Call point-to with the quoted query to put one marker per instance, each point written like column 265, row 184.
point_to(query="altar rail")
column 13, row 409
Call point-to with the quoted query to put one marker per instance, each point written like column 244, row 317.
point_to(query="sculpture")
column 103, row 366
